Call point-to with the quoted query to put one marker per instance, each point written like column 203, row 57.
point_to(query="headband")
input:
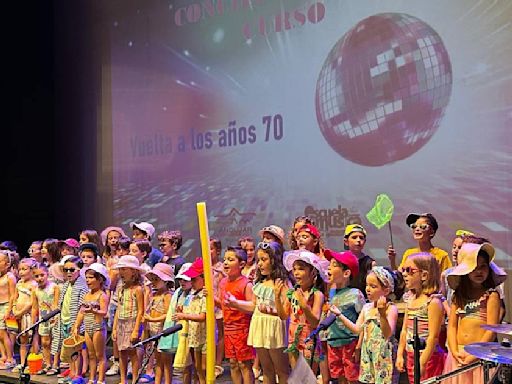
column 384, row 277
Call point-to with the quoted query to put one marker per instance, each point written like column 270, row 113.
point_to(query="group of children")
column 337, row 311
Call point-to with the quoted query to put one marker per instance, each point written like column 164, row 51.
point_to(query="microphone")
column 165, row 332
column 51, row 314
column 324, row 324
column 45, row 318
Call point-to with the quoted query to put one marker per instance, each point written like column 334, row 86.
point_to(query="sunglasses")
column 264, row 246
column 409, row 270
column 69, row 270
column 423, row 227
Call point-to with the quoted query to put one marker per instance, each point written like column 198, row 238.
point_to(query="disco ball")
column 383, row 89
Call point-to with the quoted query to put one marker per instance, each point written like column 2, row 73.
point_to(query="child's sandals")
column 43, row 371
column 7, row 365
column 52, row 372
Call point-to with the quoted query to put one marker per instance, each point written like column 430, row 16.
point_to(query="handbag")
column 70, row 346
column 11, row 323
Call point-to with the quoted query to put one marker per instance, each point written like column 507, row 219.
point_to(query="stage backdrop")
column 270, row 109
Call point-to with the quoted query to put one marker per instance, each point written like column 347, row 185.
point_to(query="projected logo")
column 332, row 222
column 383, row 89
column 235, row 223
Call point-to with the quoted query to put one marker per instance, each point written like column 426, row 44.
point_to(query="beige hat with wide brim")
column 468, row 256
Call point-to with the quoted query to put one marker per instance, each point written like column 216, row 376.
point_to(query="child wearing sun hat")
column 160, row 277
column 475, row 302
column 304, row 304
column 174, row 347
column 129, row 313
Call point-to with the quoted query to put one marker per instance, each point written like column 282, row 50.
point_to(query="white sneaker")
column 114, row 369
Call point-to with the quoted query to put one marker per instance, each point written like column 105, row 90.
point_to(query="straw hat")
column 468, row 256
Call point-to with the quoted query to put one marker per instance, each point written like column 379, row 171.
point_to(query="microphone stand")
column 147, row 357
column 418, row 344
column 25, row 377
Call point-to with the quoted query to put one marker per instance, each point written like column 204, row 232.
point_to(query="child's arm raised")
column 167, row 302
column 388, row 317
column 27, row 305
column 353, row 327
column 283, row 309
column 103, row 309
column 392, row 257
column 312, row 313
column 246, row 305
column 435, row 319
column 198, row 317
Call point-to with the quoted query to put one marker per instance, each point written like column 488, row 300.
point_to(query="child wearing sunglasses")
column 422, row 278
column 424, row 227
column 70, row 300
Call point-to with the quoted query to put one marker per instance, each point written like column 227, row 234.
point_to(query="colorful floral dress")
column 299, row 329
column 376, row 365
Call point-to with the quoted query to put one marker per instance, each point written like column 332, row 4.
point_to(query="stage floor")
column 13, row 378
